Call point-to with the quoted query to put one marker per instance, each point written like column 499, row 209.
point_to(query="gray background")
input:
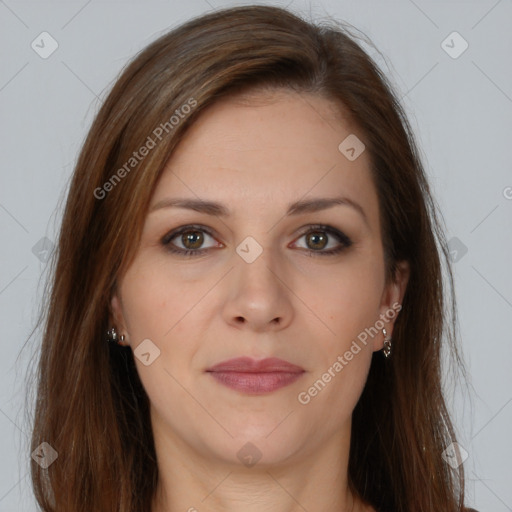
column 460, row 109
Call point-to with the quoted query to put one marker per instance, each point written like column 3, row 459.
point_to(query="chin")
column 258, row 452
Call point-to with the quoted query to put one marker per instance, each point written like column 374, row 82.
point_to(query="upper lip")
column 249, row 365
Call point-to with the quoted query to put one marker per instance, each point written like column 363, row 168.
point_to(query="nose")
column 258, row 299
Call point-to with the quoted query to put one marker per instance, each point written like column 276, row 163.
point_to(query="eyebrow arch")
column 296, row 208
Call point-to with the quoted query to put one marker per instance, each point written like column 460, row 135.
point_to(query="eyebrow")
column 296, row 208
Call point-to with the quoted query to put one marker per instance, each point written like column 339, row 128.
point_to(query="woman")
column 250, row 223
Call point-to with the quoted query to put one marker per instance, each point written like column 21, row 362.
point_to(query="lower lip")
column 255, row 383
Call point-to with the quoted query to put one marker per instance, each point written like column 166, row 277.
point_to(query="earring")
column 387, row 344
column 113, row 338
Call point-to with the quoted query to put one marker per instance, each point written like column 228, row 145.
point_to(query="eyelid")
column 339, row 235
column 188, row 227
column 166, row 239
column 336, row 233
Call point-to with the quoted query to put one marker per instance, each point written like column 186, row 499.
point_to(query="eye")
column 318, row 237
column 191, row 238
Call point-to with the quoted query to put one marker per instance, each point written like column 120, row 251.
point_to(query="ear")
column 116, row 317
column 391, row 302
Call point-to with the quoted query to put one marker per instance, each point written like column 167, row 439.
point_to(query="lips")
column 255, row 377
column 248, row 365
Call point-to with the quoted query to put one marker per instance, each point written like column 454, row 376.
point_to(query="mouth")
column 255, row 377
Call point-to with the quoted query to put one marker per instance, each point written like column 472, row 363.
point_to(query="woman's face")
column 275, row 269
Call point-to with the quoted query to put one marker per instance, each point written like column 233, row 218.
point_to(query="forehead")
column 266, row 150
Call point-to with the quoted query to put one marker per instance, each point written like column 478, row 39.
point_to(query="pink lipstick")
column 255, row 377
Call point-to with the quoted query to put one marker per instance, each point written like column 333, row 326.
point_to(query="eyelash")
column 340, row 236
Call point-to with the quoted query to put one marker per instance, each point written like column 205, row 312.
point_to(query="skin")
column 257, row 155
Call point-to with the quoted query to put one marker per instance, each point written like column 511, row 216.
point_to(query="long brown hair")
column 91, row 406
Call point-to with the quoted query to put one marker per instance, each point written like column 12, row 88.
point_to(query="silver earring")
column 113, row 337
column 387, row 344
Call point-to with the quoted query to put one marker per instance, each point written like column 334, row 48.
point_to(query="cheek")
column 157, row 307
column 154, row 299
column 353, row 305
column 344, row 352
column 347, row 299
column 333, row 390
column 156, row 310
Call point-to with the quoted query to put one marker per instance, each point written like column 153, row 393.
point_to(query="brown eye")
column 188, row 241
column 318, row 237
column 192, row 239
column 316, row 240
